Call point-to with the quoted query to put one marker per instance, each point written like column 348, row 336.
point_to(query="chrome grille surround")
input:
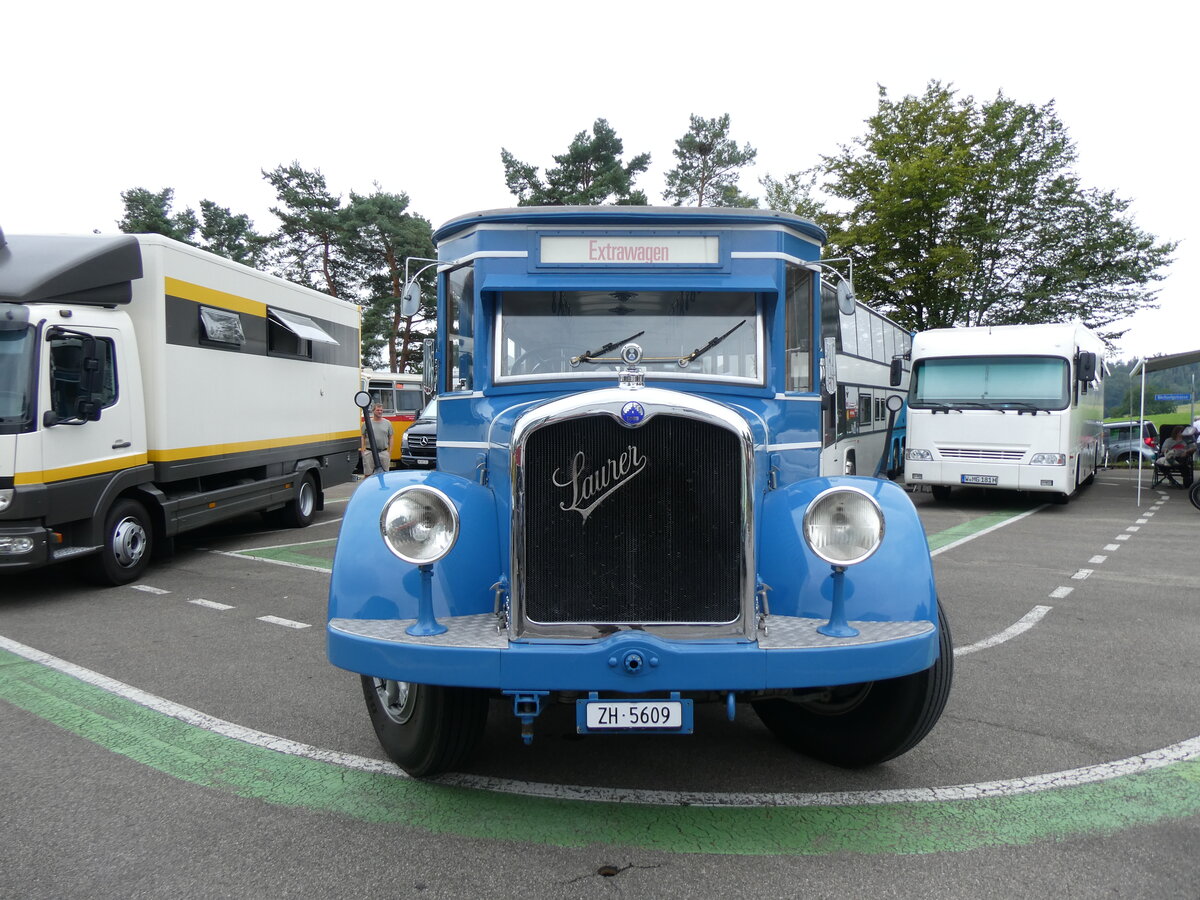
column 609, row 403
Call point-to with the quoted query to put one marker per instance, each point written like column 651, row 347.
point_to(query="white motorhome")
column 1017, row 407
column 148, row 388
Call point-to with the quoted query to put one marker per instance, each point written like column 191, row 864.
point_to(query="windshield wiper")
column 684, row 361
column 592, row 354
column 937, row 406
column 1024, row 406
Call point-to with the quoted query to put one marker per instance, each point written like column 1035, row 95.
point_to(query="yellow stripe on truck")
column 99, row 467
column 188, row 291
column 116, row 463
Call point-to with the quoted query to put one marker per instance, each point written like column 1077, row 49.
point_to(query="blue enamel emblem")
column 632, row 413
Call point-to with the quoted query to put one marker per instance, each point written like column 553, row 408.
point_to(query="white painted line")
column 211, row 604
column 971, row 537
column 1142, row 521
column 147, row 589
column 1082, row 574
column 1144, row 762
column 1059, row 592
column 309, row 526
column 1111, row 547
column 1133, row 528
column 1026, row 622
column 1098, row 559
column 286, row 623
column 280, row 546
column 1123, row 537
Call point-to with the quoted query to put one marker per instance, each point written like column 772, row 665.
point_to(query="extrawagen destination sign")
column 631, row 249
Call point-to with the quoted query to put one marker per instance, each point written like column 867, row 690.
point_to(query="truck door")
column 75, row 447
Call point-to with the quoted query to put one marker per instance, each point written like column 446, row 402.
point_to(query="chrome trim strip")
column 609, row 401
column 807, row 445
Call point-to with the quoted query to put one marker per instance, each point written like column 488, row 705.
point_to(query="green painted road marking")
column 974, row 527
column 201, row 757
column 288, row 554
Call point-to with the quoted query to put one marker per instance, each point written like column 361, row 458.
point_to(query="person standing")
column 382, row 429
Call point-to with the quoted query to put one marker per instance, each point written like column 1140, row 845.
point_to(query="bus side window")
column 798, row 327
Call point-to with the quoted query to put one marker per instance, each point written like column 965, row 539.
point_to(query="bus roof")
column 661, row 216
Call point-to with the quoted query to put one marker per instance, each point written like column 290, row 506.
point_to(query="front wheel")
column 941, row 492
column 1194, row 494
column 863, row 724
column 128, row 539
column 425, row 729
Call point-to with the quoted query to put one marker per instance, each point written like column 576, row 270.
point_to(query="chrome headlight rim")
column 823, row 497
column 453, row 523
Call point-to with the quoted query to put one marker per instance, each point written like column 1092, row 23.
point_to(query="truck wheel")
column 425, row 729
column 941, row 492
column 864, row 724
column 1194, row 494
column 298, row 512
column 128, row 539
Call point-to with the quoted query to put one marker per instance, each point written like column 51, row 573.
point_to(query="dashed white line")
column 286, row 623
column 211, row 604
column 1098, row 559
column 1082, row 574
column 1111, row 547
column 1059, row 592
column 1026, row 622
column 145, row 588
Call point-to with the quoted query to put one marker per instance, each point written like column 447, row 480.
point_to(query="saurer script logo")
column 591, row 488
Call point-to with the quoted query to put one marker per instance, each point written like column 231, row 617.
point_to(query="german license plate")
column 980, row 479
column 634, row 715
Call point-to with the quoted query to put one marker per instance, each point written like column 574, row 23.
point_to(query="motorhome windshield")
column 712, row 335
column 992, row 382
column 16, row 374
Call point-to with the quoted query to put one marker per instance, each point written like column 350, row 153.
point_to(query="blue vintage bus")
column 630, row 510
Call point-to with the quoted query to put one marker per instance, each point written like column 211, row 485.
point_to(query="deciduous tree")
column 971, row 214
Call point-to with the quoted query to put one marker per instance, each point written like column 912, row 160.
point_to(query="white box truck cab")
column 1016, row 407
column 629, row 513
column 148, row 388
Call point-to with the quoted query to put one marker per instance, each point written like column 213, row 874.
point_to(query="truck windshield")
column 16, row 374
column 991, row 382
column 559, row 333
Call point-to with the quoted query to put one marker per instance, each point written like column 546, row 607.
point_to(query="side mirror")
column 895, row 403
column 1086, row 367
column 410, row 300
column 897, row 372
column 845, row 298
column 362, row 400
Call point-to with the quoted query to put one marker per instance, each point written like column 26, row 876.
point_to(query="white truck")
column 148, row 388
column 1016, row 407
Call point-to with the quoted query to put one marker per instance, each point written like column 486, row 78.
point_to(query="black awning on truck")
column 93, row 270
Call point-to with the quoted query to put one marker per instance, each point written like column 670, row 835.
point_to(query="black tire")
column 299, row 511
column 128, row 543
column 941, row 492
column 1194, row 494
column 425, row 729
column 865, row 724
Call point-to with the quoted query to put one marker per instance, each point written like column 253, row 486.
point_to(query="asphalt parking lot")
column 1066, row 761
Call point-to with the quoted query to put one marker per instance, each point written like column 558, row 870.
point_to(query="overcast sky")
column 201, row 97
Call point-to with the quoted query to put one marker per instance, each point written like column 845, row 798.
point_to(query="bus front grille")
column 628, row 526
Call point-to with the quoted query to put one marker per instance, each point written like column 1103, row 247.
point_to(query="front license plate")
column 634, row 715
column 980, row 479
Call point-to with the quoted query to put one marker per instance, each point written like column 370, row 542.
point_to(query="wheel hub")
column 129, row 542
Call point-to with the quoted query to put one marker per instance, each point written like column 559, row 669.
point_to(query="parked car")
column 1123, row 442
column 418, row 445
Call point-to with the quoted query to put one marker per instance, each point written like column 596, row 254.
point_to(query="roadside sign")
column 1182, row 398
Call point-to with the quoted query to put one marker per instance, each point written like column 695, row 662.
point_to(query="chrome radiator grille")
column 632, row 525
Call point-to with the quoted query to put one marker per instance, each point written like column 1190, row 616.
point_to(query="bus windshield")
column 16, row 373
column 544, row 334
column 990, row 382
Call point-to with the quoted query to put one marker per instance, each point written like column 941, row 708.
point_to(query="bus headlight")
column 918, row 455
column 843, row 526
column 419, row 524
column 1048, row 459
